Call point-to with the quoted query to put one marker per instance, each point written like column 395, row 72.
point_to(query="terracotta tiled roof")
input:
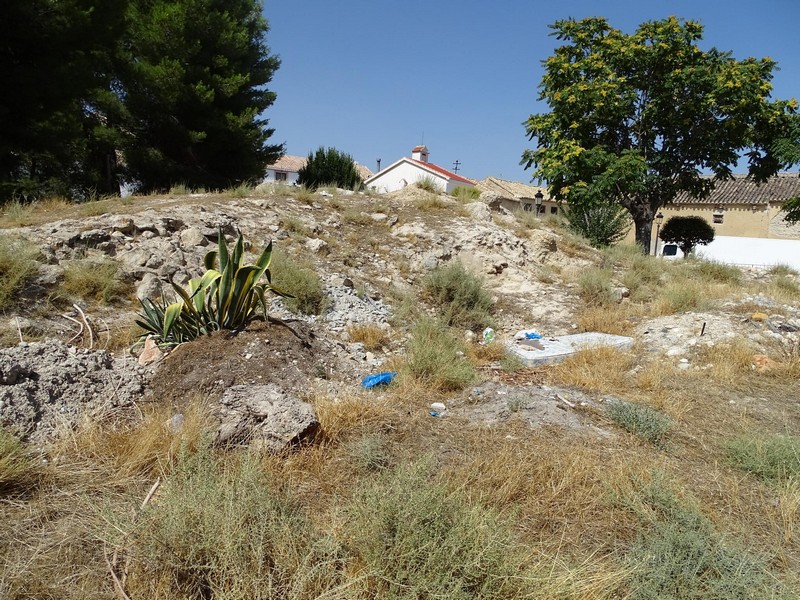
column 442, row 171
column 289, row 163
column 510, row 189
column 741, row 190
column 363, row 171
column 419, row 148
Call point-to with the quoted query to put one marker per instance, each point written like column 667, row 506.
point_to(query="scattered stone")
column 759, row 317
column 316, row 245
column 192, row 236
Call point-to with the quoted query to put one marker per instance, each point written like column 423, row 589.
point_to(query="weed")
column 613, row 319
column 594, row 287
column 96, row 280
column 511, row 363
column 600, row 369
column 298, row 278
column 419, row 540
column 466, row 194
column 222, row 527
column 180, row 189
column 782, row 271
column 715, row 271
column 527, row 219
column 460, row 296
column 436, row 358
column 303, row 194
column 679, row 555
column 295, row 225
column 374, row 337
column 18, row 213
column 356, row 217
column 642, row 421
column 681, row 296
column 369, row 453
column 19, row 471
column 516, row 403
column 772, row 458
column 243, row 190
column 784, row 288
column 431, row 201
column 18, row 265
column 429, row 184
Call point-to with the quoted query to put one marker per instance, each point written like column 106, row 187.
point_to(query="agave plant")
column 227, row 296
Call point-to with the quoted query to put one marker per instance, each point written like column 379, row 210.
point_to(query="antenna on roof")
column 422, row 143
column 456, row 166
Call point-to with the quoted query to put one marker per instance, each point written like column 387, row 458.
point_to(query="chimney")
column 420, row 153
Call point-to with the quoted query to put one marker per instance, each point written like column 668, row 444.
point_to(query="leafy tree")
column 193, row 75
column 635, row 119
column 687, row 232
column 602, row 224
column 329, row 166
column 788, row 148
column 55, row 69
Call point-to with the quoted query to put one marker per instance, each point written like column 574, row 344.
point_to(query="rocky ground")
column 367, row 250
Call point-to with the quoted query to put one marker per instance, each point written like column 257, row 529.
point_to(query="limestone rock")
column 192, row 236
column 479, row 211
column 263, row 416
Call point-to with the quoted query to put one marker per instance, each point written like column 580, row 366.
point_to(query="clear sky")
column 374, row 78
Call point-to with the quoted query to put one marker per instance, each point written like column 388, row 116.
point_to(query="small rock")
column 759, row 317
column 151, row 352
column 316, row 245
column 192, row 237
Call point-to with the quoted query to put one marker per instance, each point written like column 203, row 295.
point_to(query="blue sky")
column 374, row 78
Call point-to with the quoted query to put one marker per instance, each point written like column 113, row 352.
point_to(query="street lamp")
column 538, row 197
column 659, row 220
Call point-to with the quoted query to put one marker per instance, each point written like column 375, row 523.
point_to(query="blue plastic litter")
column 385, row 378
column 532, row 335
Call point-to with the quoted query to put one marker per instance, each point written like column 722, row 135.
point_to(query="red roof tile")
column 442, row 171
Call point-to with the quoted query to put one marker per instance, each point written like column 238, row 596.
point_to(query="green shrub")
column 640, row 420
column 18, row 265
column 222, row 529
column 299, row 280
column 436, row 358
column 601, row 224
column 466, row 194
column 783, row 270
column 416, row 539
column 774, row 458
column 594, row 286
column 460, row 296
column 679, row 556
column 227, row 297
column 329, row 166
column 687, row 232
column 90, row 279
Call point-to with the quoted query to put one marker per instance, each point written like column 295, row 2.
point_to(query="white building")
column 287, row 168
column 408, row 171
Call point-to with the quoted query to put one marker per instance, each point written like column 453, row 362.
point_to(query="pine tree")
column 194, row 80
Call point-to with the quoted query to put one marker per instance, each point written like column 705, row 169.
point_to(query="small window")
column 717, row 215
column 553, row 210
column 281, row 176
column 527, row 207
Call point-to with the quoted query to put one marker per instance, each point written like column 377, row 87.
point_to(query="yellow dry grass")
column 372, row 336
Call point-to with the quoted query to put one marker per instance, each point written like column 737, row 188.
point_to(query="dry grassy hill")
column 668, row 471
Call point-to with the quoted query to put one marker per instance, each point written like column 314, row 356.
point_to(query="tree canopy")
column 176, row 89
column 687, row 232
column 329, row 166
column 635, row 119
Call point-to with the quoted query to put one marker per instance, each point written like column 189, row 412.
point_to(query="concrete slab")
column 548, row 351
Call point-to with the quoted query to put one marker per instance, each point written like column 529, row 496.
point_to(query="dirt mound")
column 264, row 353
column 44, row 385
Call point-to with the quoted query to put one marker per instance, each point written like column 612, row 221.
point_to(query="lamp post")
column 659, row 219
column 538, row 197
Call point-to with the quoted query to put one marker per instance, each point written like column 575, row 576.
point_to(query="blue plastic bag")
column 385, row 378
column 532, row 335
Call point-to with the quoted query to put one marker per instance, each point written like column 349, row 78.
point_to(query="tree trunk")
column 644, row 228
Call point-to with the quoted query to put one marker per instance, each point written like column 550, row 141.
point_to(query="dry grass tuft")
column 599, row 369
column 372, row 336
column 614, row 319
column 353, row 415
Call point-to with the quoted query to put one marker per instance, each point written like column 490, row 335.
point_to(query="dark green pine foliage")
column 194, row 88
column 55, row 77
column 329, row 166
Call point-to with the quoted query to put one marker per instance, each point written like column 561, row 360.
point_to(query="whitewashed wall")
column 291, row 177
